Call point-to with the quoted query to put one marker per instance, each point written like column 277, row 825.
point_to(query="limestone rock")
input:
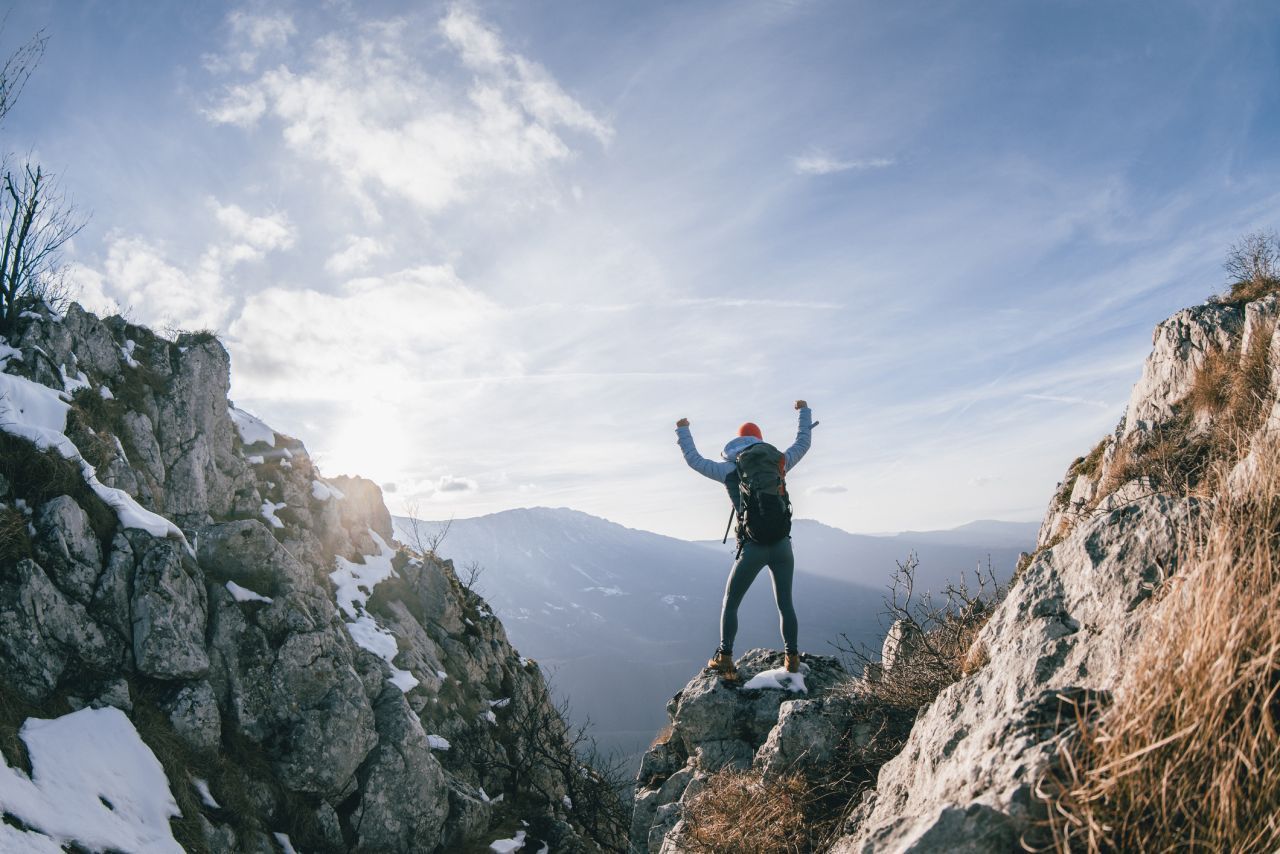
column 169, row 611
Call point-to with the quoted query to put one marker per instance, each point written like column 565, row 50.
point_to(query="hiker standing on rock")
column 754, row 473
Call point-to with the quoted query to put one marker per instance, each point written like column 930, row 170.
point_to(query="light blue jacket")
column 719, row 470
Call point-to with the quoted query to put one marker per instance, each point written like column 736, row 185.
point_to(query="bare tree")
column 37, row 223
column 34, row 213
column 17, row 69
column 424, row 539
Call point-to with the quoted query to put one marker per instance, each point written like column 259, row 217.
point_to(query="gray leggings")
column 755, row 557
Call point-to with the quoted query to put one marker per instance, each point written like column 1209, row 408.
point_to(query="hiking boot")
column 793, row 662
column 722, row 663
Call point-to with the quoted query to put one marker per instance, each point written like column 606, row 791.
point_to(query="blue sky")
column 487, row 253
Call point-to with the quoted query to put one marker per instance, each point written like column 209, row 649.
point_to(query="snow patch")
column 244, row 594
column 506, row 846
column 322, row 491
column 206, row 796
column 94, row 784
column 438, row 742
column 780, row 679
column 354, row 583
column 500, row 704
column 490, row 717
column 269, row 509
column 73, row 384
column 286, row 845
column 127, row 351
column 105, row 393
column 251, row 428
column 7, row 353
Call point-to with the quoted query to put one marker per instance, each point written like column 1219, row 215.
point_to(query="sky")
column 487, row 253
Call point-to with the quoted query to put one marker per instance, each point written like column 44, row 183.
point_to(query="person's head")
column 750, row 429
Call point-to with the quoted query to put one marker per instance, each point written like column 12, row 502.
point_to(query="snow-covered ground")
column 94, row 783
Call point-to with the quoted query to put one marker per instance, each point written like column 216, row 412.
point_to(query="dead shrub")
column 1253, row 266
column 737, row 811
column 1188, row 756
column 938, row 636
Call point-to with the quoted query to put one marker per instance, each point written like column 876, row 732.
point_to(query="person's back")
column 762, row 540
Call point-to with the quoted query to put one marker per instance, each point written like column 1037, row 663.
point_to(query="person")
column 752, row 556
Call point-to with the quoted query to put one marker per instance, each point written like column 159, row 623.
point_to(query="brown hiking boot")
column 793, row 662
column 722, row 663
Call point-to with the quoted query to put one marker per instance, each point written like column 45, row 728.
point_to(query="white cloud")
column 367, row 107
column 356, row 256
column 140, row 278
column 822, row 163
column 376, row 338
column 251, row 36
column 240, row 105
column 258, row 234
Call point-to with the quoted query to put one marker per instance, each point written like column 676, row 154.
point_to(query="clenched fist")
column 683, row 422
column 800, row 404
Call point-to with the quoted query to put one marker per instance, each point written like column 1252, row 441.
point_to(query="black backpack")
column 763, row 508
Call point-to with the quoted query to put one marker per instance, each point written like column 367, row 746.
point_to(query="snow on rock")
column 94, row 784
column 39, row 415
column 506, row 846
column 778, row 678
column 244, row 594
column 105, row 393
column 354, row 583
column 269, row 509
column 438, row 742
column 500, row 704
column 7, row 353
column 252, row 429
column 286, row 845
column 206, row 796
column 73, row 384
column 127, row 352
column 489, row 716
column 322, row 491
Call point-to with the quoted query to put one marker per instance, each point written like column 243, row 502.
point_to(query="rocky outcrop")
column 967, row 777
column 717, row 725
column 325, row 683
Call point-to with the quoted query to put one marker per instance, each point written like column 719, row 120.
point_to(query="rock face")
column 385, row 724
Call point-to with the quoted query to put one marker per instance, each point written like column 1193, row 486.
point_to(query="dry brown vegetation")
column 737, row 811
column 1188, row 757
column 940, row 636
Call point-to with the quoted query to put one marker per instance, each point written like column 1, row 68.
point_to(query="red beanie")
column 750, row 429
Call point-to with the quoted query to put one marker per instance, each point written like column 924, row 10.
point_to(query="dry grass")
column 736, row 811
column 663, row 736
column 15, row 539
column 1188, row 757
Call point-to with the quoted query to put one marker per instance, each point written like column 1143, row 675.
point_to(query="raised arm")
column 804, row 436
column 717, row 471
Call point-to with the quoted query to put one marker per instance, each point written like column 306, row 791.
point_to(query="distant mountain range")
column 619, row 618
